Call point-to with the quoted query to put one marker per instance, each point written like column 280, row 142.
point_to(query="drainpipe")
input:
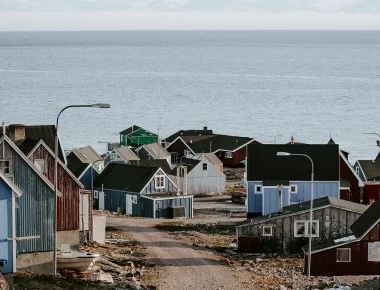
column 3, row 153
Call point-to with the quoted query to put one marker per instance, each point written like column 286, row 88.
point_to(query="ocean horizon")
column 269, row 85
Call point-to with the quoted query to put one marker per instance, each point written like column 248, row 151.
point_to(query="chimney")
column 292, row 140
column 205, row 128
column 16, row 132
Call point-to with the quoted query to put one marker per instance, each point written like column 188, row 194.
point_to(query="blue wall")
column 86, row 177
column 6, row 247
column 271, row 195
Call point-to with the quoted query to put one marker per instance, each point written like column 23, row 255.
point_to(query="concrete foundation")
column 41, row 262
column 68, row 237
column 99, row 228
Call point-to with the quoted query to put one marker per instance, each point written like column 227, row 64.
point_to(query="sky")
column 27, row 15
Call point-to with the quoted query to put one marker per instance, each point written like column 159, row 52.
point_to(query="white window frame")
column 295, row 188
column 186, row 152
column 258, row 189
column 5, row 166
column 228, row 154
column 357, row 170
column 159, row 181
column 264, row 233
column 40, row 164
column 305, row 224
column 339, row 258
column 114, row 156
column 96, row 194
column 204, row 166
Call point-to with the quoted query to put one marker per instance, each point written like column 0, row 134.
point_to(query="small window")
column 160, row 181
column 301, row 228
column 267, row 231
column 40, row 164
column 114, row 156
column 204, row 166
column 357, row 170
column 258, row 189
column 228, row 154
column 293, row 189
column 96, row 194
column 343, row 255
column 4, row 165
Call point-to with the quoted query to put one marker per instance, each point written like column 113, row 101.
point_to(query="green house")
column 136, row 136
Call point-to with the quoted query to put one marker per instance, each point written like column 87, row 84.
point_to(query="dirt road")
column 182, row 266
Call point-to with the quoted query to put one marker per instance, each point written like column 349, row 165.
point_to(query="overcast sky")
column 188, row 14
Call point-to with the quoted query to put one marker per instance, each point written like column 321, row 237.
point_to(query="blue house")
column 8, row 194
column 140, row 191
column 278, row 181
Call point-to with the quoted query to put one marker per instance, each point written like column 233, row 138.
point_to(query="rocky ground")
column 130, row 263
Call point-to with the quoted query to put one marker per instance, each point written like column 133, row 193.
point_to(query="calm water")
column 267, row 85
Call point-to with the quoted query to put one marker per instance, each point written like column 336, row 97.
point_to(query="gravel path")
column 182, row 266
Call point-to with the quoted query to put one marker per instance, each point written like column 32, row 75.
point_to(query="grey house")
column 197, row 175
column 287, row 231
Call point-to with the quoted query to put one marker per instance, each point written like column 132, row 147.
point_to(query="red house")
column 231, row 150
column 353, row 254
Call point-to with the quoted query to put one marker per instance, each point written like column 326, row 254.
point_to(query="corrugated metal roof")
column 129, row 130
column 213, row 158
column 126, row 153
column 157, row 163
column 156, row 151
column 87, row 154
column 371, row 168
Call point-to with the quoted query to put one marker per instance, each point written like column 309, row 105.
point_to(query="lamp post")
column 311, row 202
column 98, row 105
column 377, row 141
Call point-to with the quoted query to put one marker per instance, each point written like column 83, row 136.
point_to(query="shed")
column 285, row 232
column 356, row 253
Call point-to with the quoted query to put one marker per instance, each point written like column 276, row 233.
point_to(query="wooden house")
column 197, row 175
column 33, row 212
column 86, row 164
column 120, row 154
column 356, row 253
column 231, row 150
column 136, row 136
column 72, row 199
column 140, row 191
column 278, row 181
column 153, row 151
column 284, row 232
column 368, row 170
column 9, row 193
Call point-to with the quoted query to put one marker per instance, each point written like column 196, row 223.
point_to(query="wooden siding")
column 162, row 206
column 6, row 226
column 237, row 157
column 333, row 222
column 170, row 187
column 35, row 207
column 271, row 204
column 355, row 193
column 68, row 203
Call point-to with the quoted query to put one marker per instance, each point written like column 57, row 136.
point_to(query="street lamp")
column 311, row 202
column 98, row 105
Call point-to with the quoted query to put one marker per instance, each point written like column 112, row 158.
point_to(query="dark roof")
column 331, row 141
column 27, row 145
column 45, row 133
column 264, row 164
column 367, row 220
column 194, row 133
column 125, row 177
column 162, row 163
column 130, row 130
column 371, row 168
column 219, row 142
column 190, row 163
column 305, row 206
column 75, row 165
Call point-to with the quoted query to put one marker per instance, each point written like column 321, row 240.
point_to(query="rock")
column 101, row 277
column 130, row 264
column 258, row 260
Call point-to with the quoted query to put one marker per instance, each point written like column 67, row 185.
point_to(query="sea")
column 269, row 85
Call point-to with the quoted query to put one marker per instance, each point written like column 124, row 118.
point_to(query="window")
column 374, row 251
column 4, row 165
column 96, row 194
column 267, row 231
column 301, row 228
column 204, row 166
column 357, row 170
column 186, row 152
column 160, row 181
column 113, row 155
column 258, row 189
column 343, row 255
column 228, row 154
column 40, row 164
column 293, row 189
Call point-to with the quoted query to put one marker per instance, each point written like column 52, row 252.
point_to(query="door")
column 101, row 200
column 128, row 204
column 6, row 224
column 84, row 211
